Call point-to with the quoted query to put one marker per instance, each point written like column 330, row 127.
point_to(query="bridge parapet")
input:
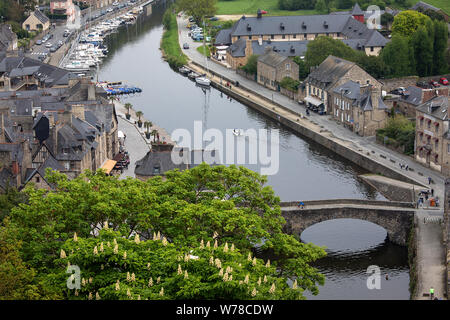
column 396, row 204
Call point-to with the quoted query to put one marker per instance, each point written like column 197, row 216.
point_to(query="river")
column 307, row 171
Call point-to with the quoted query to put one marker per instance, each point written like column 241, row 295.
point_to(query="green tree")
column 373, row 65
column 198, row 9
column 251, row 66
column 303, row 70
column 227, row 204
column 115, row 267
column 397, row 57
column 321, row 6
column 407, row 22
column 386, row 19
column 423, row 51
column 17, row 280
column 320, row 48
column 8, row 200
column 440, row 65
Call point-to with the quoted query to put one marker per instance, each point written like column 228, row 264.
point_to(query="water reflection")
column 307, row 170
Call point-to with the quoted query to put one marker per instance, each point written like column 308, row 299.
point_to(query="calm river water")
column 306, row 170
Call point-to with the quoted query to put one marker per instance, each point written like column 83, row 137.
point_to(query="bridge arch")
column 396, row 221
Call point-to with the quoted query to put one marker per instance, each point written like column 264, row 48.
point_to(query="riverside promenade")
column 363, row 151
column 136, row 142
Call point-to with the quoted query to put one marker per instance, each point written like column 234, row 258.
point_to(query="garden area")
column 399, row 134
column 170, row 44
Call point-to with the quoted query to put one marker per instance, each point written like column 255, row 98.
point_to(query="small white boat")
column 193, row 75
column 237, row 132
column 204, row 81
column 184, row 70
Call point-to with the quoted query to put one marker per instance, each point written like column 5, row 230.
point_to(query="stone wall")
column 397, row 223
column 398, row 204
column 366, row 161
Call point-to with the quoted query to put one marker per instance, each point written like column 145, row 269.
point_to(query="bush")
column 399, row 132
column 252, row 64
column 289, row 84
column 169, row 43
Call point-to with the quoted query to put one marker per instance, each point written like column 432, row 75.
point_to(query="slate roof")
column 424, row 6
column 357, row 10
column 436, row 107
column 157, row 163
column 48, row 75
column 272, row 58
column 6, row 36
column 41, row 17
column 314, row 24
column 284, row 48
column 329, row 71
column 352, row 91
column 50, row 163
column 163, row 161
column 237, row 49
column 413, row 96
column 223, row 37
column 6, row 178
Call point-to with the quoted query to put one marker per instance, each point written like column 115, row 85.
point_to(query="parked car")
column 399, row 91
column 434, row 83
column 109, row 10
column 53, row 49
column 48, row 45
column 443, row 81
column 423, row 84
column 186, row 46
column 213, row 19
column 39, row 42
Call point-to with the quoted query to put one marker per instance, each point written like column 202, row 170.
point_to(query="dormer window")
column 282, row 26
column 303, row 25
column 249, row 28
column 156, row 170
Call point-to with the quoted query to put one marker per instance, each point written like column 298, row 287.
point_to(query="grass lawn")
column 443, row 4
column 251, row 6
column 171, row 46
column 202, row 50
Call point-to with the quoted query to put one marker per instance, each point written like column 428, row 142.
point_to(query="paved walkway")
column 430, row 248
column 362, row 145
column 430, row 255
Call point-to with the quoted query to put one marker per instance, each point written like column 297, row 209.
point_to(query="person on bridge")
column 301, row 205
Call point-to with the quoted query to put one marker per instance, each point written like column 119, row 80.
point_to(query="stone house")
column 18, row 73
column 348, row 27
column 273, row 67
column 36, row 21
column 8, row 39
column 414, row 97
column 359, row 107
column 423, row 6
column 63, row 7
column 67, row 129
column 332, row 72
column 159, row 160
column 432, row 134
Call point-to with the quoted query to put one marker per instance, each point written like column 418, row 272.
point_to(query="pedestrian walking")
column 432, row 192
column 406, row 167
column 431, row 293
column 429, row 180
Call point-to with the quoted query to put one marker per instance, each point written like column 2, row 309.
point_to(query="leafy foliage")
column 401, row 131
column 169, row 43
column 289, row 84
column 198, row 9
column 407, row 22
column 252, row 64
column 117, row 267
column 227, row 204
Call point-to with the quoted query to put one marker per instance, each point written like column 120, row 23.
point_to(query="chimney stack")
column 78, row 111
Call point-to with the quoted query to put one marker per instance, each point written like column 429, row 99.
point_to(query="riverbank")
column 170, row 42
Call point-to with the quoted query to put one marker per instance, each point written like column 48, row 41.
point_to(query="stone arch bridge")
column 395, row 217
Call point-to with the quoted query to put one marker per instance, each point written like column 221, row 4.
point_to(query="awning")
column 120, row 134
column 313, row 101
column 222, row 47
column 108, row 166
column 222, row 52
